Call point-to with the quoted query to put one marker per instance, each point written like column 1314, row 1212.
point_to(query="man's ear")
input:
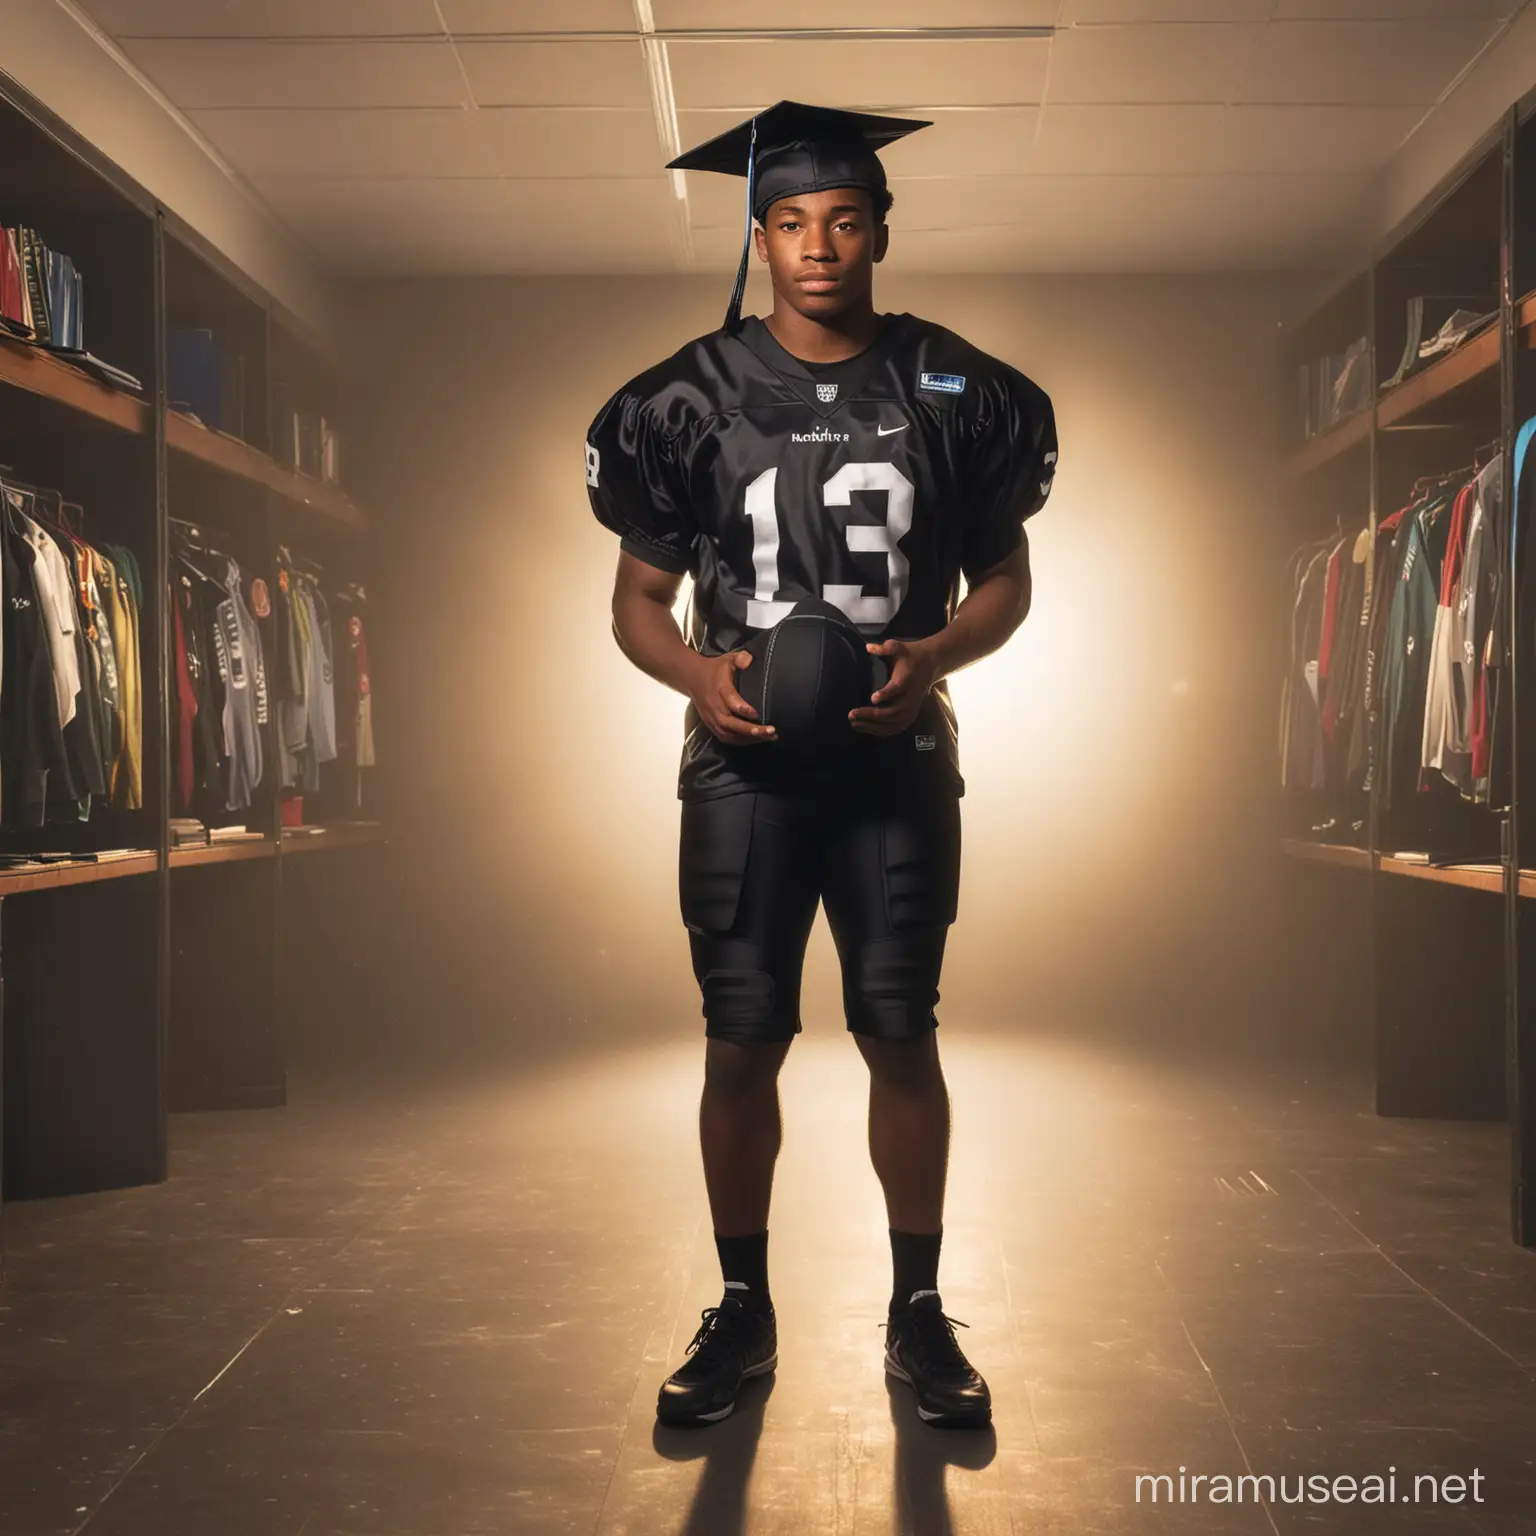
column 882, row 240
column 760, row 240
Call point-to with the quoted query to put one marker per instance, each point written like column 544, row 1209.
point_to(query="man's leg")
column 749, row 896
column 891, row 884
column 908, row 1128
column 740, row 1131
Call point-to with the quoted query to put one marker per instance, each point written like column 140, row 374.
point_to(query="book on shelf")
column 1333, row 387
column 234, row 835
column 330, row 453
column 187, row 832
column 107, row 373
column 93, row 856
column 15, row 307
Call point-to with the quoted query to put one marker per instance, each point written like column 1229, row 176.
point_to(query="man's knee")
column 737, row 1071
column 910, row 1063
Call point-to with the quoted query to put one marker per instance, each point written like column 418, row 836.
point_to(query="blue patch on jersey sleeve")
column 943, row 383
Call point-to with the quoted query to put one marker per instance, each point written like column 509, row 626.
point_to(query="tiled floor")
column 445, row 1311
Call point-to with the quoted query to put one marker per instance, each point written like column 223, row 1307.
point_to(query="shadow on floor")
column 728, row 1450
column 923, row 1459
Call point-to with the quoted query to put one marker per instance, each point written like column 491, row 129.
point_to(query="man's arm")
column 643, row 597
column 995, row 605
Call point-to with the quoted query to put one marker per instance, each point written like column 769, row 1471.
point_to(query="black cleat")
column 734, row 1343
column 921, row 1350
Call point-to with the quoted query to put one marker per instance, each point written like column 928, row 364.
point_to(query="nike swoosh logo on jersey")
column 888, row 431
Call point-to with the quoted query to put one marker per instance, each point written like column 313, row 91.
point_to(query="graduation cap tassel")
column 739, row 288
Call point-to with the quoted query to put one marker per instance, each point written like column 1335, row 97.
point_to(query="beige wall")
column 1116, row 752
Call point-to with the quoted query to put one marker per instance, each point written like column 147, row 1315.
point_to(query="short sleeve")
column 637, row 486
column 1012, row 464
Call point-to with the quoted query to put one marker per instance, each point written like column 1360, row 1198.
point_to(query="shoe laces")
column 929, row 1333
column 722, row 1328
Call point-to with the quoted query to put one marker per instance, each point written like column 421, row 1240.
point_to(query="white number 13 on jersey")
column 764, row 610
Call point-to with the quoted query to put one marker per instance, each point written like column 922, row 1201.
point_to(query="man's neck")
column 829, row 341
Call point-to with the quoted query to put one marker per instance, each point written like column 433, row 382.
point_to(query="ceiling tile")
column 1148, row 140
column 705, row 14
column 1094, row 12
column 858, row 74
column 510, row 17
column 1171, row 63
column 345, row 74
column 1391, row 10
column 1136, row 223
column 1125, row 140
column 570, row 74
column 1372, row 63
column 490, row 248
column 550, row 226
column 320, row 200
column 559, row 142
column 265, row 18
column 988, row 141
column 384, row 141
column 1325, row 140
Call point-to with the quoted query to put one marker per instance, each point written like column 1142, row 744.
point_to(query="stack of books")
column 305, row 440
column 188, row 832
column 42, row 299
column 1330, row 388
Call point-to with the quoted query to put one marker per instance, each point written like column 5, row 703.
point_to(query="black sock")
column 915, row 1264
column 744, row 1265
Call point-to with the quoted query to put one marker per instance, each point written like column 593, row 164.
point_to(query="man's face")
column 821, row 248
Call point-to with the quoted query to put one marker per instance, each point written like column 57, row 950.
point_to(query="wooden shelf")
column 331, row 837
column 1463, row 385
column 1352, row 432
column 1337, row 854
column 14, row 882
column 232, row 456
column 1469, row 877
column 223, row 853
column 33, row 369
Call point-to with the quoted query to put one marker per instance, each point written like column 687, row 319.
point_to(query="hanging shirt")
column 31, row 739
column 322, row 679
column 245, row 690
column 56, row 601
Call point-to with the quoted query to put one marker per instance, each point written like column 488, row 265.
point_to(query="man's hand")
column 914, row 670
column 726, row 715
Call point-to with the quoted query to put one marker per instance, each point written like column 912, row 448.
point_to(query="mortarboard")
column 792, row 148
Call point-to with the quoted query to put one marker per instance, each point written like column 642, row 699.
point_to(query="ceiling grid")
column 520, row 136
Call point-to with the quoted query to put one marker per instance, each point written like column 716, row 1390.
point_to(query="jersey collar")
column 853, row 383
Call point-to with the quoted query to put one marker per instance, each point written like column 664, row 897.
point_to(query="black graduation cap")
column 792, row 148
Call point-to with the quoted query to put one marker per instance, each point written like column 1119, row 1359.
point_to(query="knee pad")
column 893, row 994
column 739, row 1003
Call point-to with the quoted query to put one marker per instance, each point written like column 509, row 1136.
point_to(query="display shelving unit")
column 141, row 985
column 1452, row 944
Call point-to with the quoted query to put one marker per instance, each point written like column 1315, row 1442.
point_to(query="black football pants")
column 752, row 870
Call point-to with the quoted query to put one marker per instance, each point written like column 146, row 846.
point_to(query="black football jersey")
column 873, row 485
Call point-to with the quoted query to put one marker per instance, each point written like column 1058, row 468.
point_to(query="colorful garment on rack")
column 70, row 734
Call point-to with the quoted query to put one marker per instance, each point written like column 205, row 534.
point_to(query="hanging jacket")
column 31, row 741
column 245, row 690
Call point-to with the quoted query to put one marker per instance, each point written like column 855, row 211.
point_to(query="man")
column 868, row 460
